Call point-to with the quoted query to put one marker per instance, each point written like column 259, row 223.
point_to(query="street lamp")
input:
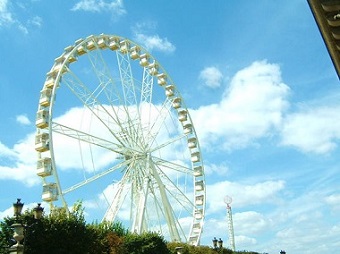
column 38, row 212
column 17, row 208
column 215, row 243
column 19, row 228
column 220, row 243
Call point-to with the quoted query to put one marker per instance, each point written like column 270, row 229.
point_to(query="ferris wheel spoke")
column 157, row 211
column 91, row 139
column 126, row 99
column 169, row 142
column 171, row 165
column 175, row 191
column 95, row 177
column 168, row 212
column 145, row 108
column 86, row 137
column 115, row 204
column 104, row 76
column 130, row 98
column 126, row 78
column 147, row 84
column 107, row 84
column 159, row 122
column 90, row 100
column 161, row 213
column 178, row 197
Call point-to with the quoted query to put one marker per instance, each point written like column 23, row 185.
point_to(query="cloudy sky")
column 258, row 82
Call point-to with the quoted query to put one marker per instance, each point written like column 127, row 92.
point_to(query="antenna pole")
column 228, row 201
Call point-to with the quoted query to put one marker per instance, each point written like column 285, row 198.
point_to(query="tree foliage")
column 189, row 249
column 65, row 232
column 146, row 243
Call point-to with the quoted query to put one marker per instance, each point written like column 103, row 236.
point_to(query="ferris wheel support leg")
column 174, row 234
column 140, row 213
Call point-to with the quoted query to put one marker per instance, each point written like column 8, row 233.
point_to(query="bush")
column 64, row 233
column 146, row 243
column 189, row 249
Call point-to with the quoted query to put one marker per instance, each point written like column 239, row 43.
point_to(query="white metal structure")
column 111, row 121
column 228, row 200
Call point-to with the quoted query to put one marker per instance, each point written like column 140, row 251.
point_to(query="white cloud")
column 299, row 237
column 213, row 226
column 36, row 21
column 218, row 169
column 245, row 241
column 334, row 201
column 6, row 17
column 19, row 163
column 6, row 213
column 6, row 152
column 313, row 130
column 154, row 42
column 242, row 194
column 211, row 77
column 255, row 106
column 144, row 34
column 115, row 7
column 251, row 108
column 23, row 119
column 250, row 223
column 219, row 228
column 286, row 219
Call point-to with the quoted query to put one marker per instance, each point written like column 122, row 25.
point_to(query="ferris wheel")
column 114, row 132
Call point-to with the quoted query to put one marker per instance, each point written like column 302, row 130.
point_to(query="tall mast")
column 228, row 200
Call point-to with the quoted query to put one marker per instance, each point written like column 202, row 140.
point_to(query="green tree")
column 58, row 233
column 190, row 249
column 146, row 243
column 5, row 234
column 65, row 232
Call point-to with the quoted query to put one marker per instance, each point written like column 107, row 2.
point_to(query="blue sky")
column 259, row 84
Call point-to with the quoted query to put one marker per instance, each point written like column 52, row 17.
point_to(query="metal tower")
column 228, row 201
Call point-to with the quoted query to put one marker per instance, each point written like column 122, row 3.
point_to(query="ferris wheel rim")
column 57, row 72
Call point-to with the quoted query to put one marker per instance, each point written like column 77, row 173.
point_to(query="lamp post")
column 19, row 228
column 217, row 244
column 220, row 243
column 17, row 208
column 38, row 212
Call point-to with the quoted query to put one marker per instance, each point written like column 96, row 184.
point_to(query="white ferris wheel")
column 114, row 132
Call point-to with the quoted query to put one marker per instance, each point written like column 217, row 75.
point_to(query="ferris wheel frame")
column 127, row 51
